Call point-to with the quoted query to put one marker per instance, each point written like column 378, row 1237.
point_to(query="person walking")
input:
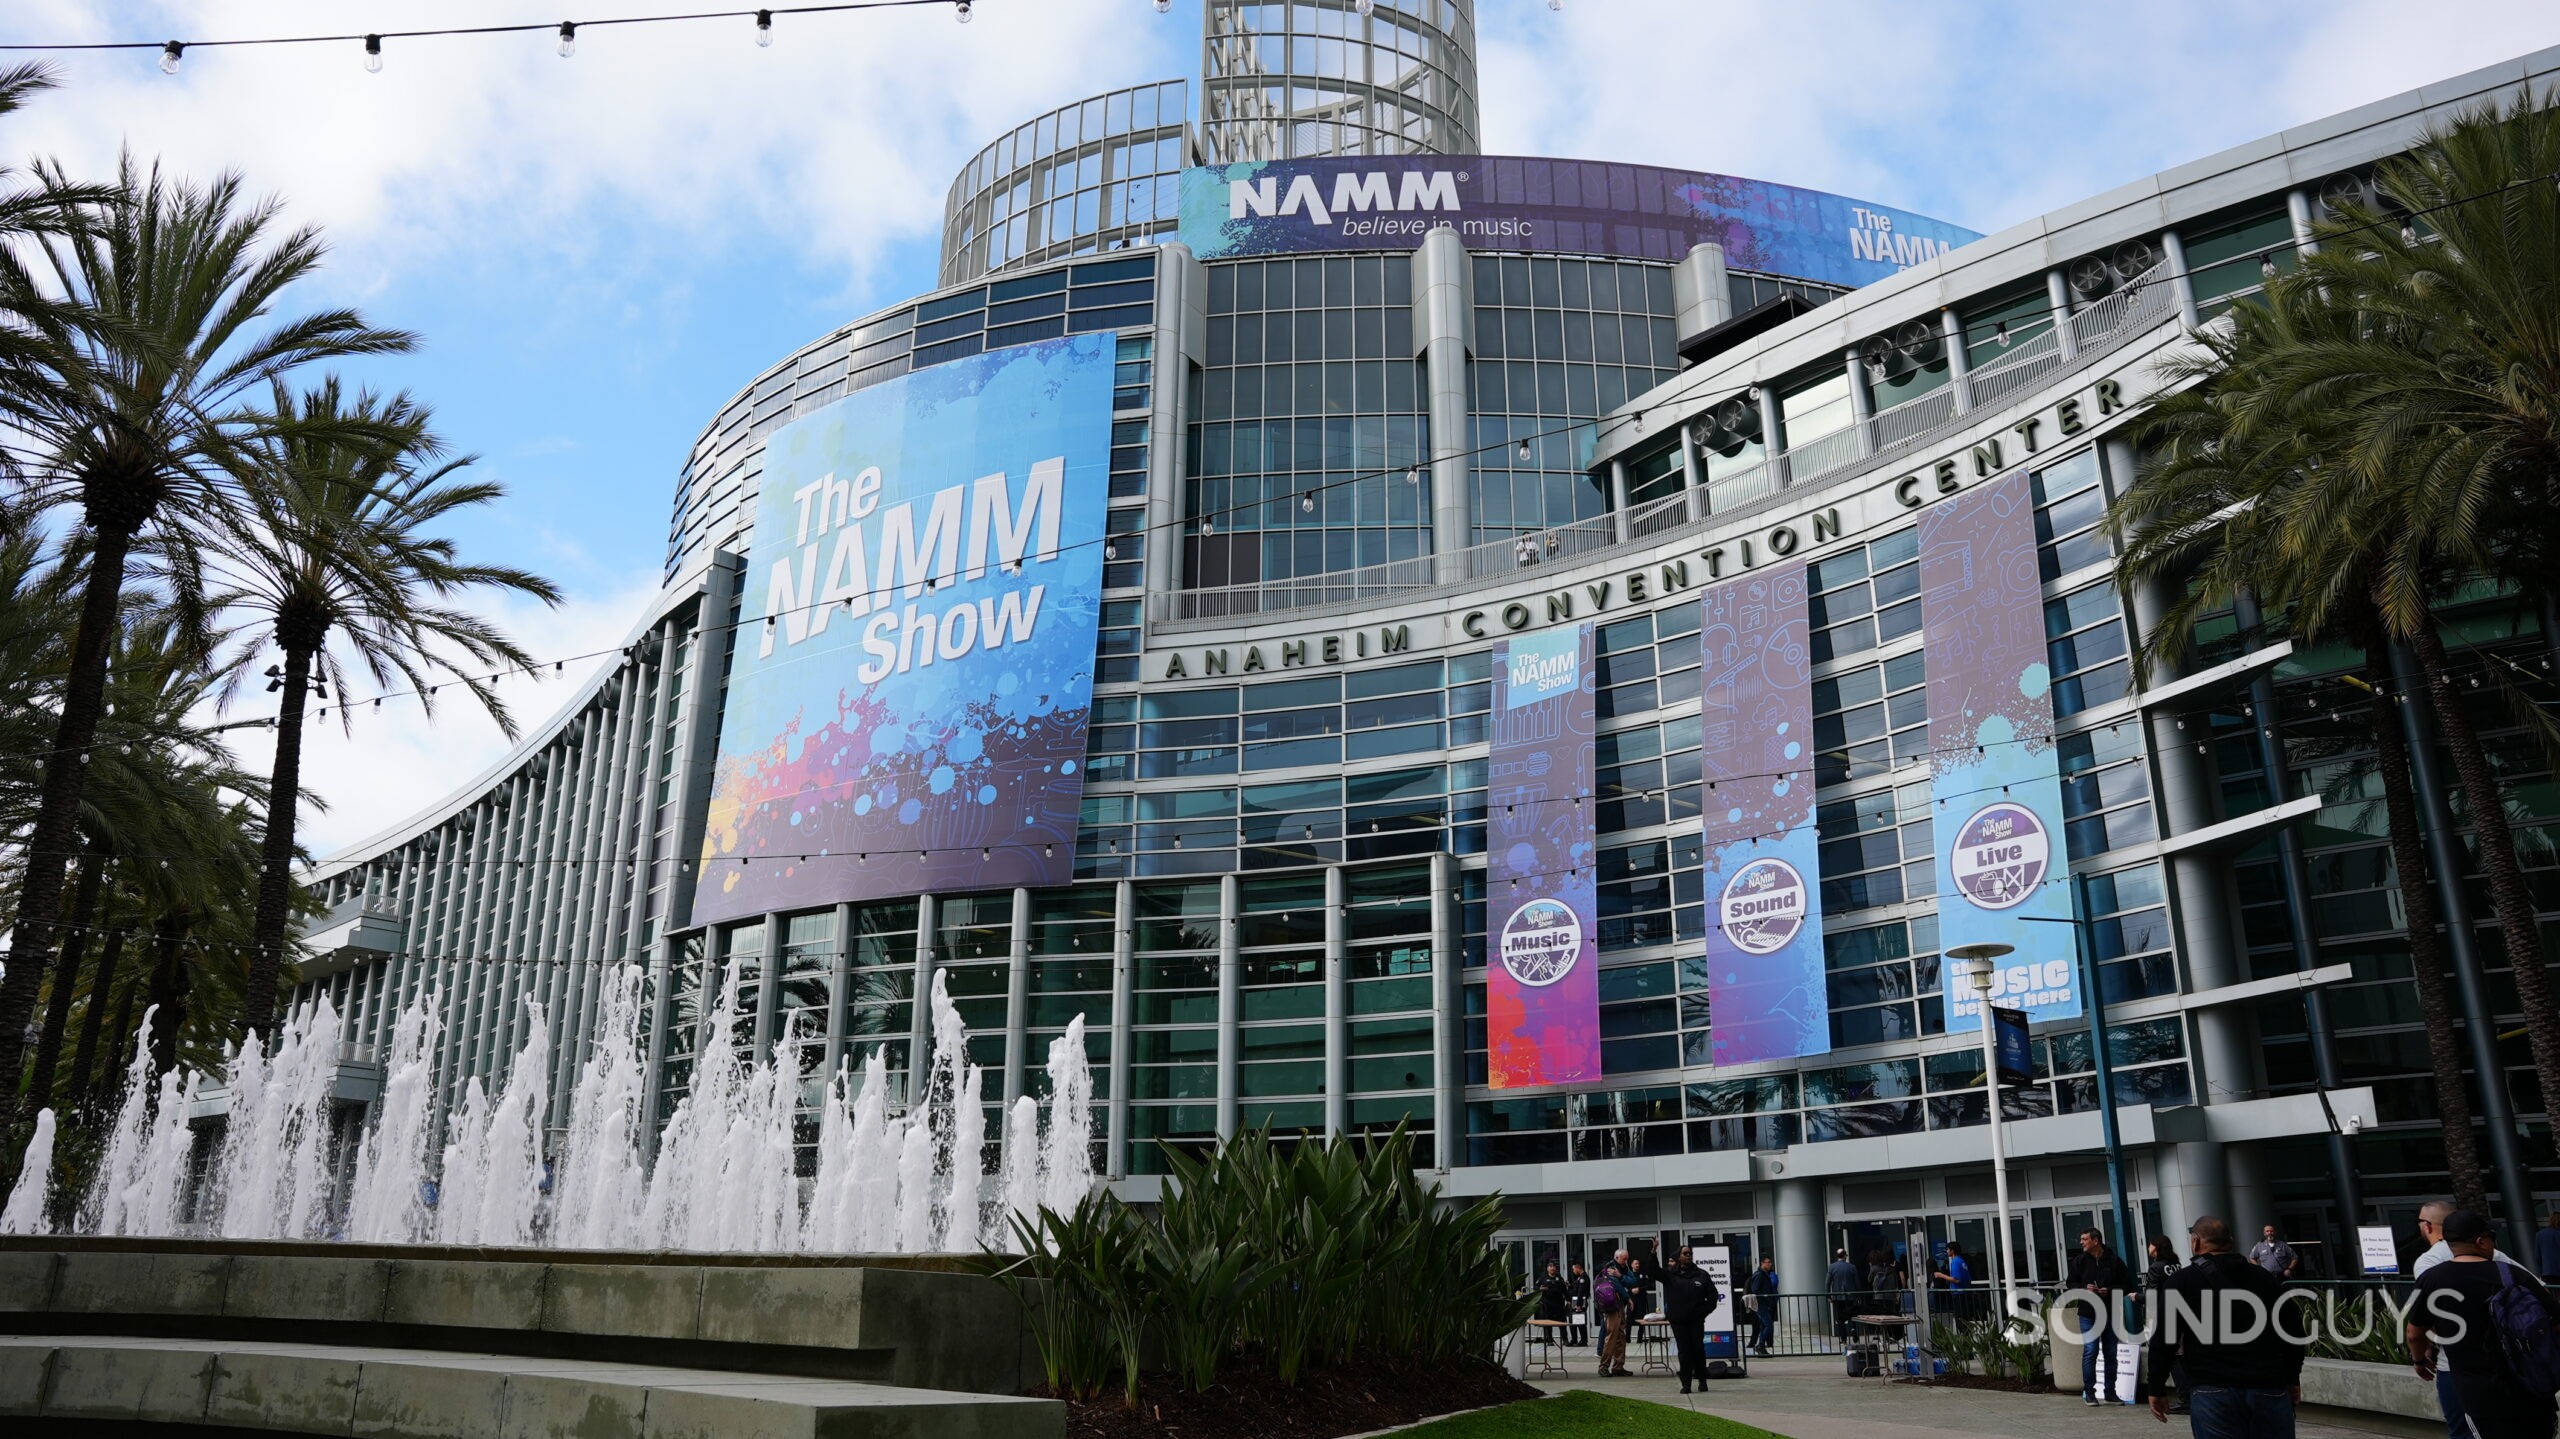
column 2243, row 1384
column 1762, row 1286
column 2273, row 1255
column 2467, row 1307
column 2432, row 1217
column 2162, row 1265
column 1609, row 1296
column 2546, row 1248
column 1689, row 1295
column 1842, row 1282
column 1579, row 1283
column 2096, row 1271
column 1956, row 1274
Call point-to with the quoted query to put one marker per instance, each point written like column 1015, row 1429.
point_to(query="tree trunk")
column 2517, row 929
column 275, row 857
column 168, row 989
column 93, row 1021
column 101, row 1094
column 50, row 843
column 2426, row 952
column 66, row 982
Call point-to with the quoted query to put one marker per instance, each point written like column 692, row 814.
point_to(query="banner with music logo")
column 1766, row 994
column 1992, row 774
column 1542, row 894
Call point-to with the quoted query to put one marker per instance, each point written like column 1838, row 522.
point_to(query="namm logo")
column 1353, row 192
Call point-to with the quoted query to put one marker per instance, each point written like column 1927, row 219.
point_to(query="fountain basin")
column 911, row 1321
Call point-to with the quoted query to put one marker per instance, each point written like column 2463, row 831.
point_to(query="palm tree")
column 139, row 404
column 2230, row 460
column 339, row 564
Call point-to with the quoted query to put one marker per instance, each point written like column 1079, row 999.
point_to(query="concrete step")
column 425, row 1394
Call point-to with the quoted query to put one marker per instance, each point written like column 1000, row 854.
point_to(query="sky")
column 599, row 251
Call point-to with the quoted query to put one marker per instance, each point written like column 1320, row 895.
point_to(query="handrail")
column 2104, row 326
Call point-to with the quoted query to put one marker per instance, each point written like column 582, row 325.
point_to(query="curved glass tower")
column 1292, row 79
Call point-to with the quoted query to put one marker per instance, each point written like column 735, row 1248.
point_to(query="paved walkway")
column 1813, row 1399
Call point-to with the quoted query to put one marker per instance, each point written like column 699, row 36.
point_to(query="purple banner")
column 1542, row 894
column 1767, row 998
column 1525, row 203
column 2002, row 871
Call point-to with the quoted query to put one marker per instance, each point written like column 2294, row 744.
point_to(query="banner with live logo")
column 1997, row 794
column 1766, row 993
column 1542, row 895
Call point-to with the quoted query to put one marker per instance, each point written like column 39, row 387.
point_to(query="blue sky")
column 600, row 250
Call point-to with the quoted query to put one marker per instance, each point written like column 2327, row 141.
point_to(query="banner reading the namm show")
column 914, row 662
column 1542, row 890
column 1998, row 796
column 1767, row 997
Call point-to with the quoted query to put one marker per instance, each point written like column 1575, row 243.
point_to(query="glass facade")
column 1289, row 79
column 1101, row 174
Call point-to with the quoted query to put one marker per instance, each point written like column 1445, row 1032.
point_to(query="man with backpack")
column 2219, row 1317
column 1689, row 1295
column 2431, row 1218
column 1609, row 1298
column 2498, row 1326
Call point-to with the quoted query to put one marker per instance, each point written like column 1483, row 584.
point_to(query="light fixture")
column 2408, row 228
column 568, row 38
column 1365, row 7
column 2001, row 335
column 169, row 55
column 373, row 54
column 764, row 27
column 1555, row 4
column 1307, row 504
column 960, row 11
column 1208, row 526
column 1111, row 552
column 1413, row 474
column 1524, row 452
column 1164, row 7
column 2266, row 267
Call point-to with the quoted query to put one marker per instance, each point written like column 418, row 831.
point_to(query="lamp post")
column 1979, row 967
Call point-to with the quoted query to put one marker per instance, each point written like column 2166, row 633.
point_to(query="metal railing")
column 2107, row 324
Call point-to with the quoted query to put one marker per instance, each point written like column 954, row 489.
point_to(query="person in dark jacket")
column 1884, row 1283
column 1842, row 1281
column 2451, row 1320
column 2097, row 1271
column 1555, row 1297
column 2162, row 1266
column 1762, row 1286
column 1609, row 1296
column 1578, row 1284
column 2241, row 1385
column 1689, row 1295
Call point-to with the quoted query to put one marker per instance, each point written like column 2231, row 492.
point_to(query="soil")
column 1985, row 1381
column 1248, row 1403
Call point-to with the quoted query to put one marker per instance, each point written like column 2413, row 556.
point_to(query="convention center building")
column 1547, row 652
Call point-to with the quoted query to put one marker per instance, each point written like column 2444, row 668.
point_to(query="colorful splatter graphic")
column 914, row 660
column 1542, row 962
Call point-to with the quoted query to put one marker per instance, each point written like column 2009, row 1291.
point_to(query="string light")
column 169, row 56
column 960, row 11
column 1164, row 7
column 764, row 28
column 568, row 38
column 373, row 54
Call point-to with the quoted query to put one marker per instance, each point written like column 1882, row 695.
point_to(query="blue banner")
column 1766, row 993
column 913, row 665
column 1526, row 203
column 2002, row 871
column 1542, row 886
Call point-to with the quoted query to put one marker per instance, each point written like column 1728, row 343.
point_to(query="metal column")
column 2057, row 294
column 1448, row 1016
column 1959, row 364
column 2173, row 253
column 1337, row 1004
column 1230, row 1007
column 1017, row 1001
column 1124, row 949
column 1444, row 326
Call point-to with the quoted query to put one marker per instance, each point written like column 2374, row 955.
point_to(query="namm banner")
column 1767, row 995
column 1998, row 796
column 913, row 666
column 1522, row 203
column 1542, row 890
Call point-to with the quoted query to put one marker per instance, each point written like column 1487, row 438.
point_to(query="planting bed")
column 1247, row 1403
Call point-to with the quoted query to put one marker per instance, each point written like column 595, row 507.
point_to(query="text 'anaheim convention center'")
column 1544, row 651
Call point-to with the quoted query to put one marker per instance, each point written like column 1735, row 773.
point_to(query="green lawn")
column 1583, row 1414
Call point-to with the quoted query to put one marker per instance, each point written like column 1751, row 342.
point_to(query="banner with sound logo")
column 1766, row 994
column 1542, row 887
column 1992, row 774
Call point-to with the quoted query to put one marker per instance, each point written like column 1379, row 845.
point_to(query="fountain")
column 719, row 1178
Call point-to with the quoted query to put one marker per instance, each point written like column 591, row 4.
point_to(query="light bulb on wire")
column 373, row 54
column 764, row 27
column 169, row 55
column 1164, row 7
column 568, row 38
column 960, row 11
column 1366, row 7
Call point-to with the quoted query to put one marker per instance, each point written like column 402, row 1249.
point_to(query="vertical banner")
column 912, row 671
column 1992, row 775
column 1724, row 1340
column 1542, row 893
column 1766, row 994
